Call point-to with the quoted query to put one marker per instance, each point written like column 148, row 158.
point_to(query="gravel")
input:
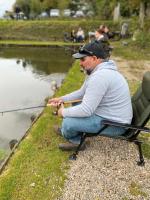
column 106, row 170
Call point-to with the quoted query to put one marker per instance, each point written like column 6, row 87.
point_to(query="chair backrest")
column 141, row 102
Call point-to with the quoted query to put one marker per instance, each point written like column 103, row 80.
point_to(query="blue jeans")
column 73, row 127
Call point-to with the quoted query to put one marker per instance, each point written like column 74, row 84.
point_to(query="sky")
column 5, row 5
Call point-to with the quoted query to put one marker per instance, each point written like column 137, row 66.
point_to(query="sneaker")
column 71, row 147
column 57, row 130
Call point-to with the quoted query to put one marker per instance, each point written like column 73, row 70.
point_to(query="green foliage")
column 63, row 4
column 103, row 8
column 24, row 5
column 146, row 149
column 142, row 39
column 35, row 6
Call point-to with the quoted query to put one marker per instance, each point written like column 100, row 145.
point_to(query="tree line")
column 104, row 9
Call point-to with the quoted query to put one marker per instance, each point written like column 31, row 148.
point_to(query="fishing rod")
column 19, row 109
column 40, row 106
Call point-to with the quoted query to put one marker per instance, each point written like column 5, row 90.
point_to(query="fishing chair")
column 141, row 115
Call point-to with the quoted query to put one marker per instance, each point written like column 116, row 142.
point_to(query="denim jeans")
column 73, row 127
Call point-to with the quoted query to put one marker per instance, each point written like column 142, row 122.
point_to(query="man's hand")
column 55, row 102
column 60, row 110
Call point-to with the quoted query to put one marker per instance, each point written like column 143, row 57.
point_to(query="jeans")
column 73, row 127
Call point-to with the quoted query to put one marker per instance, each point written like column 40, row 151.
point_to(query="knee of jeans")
column 66, row 128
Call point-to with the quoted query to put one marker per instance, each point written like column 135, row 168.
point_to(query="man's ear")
column 95, row 58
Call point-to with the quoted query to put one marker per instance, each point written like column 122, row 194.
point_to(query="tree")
column 24, row 6
column 36, row 7
column 63, row 4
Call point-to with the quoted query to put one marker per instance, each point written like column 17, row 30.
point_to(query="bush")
column 142, row 39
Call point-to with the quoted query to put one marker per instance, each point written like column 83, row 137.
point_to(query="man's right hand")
column 55, row 102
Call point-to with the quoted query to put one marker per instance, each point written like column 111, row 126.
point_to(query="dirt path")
column 132, row 70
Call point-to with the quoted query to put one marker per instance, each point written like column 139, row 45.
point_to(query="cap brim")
column 79, row 55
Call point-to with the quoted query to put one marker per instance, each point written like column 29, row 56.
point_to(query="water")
column 26, row 75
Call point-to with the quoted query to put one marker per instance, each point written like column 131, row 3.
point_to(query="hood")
column 108, row 65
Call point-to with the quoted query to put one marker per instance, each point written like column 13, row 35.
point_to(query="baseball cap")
column 91, row 49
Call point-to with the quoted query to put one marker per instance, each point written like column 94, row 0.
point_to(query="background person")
column 80, row 35
column 73, row 35
column 101, row 37
column 99, row 34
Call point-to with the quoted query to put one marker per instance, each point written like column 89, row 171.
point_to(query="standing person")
column 107, row 33
column 104, row 94
column 99, row 34
column 101, row 37
column 80, row 35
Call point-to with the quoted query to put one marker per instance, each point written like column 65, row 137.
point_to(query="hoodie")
column 105, row 93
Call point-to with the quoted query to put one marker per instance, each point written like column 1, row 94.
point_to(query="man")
column 104, row 95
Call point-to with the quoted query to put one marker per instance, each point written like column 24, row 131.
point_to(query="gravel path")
column 107, row 170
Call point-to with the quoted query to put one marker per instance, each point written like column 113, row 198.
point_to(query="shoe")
column 57, row 130
column 71, row 147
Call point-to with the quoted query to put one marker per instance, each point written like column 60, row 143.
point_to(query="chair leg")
column 141, row 161
column 74, row 155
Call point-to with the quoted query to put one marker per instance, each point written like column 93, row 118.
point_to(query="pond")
column 26, row 75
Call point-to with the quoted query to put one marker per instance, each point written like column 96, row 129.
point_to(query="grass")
column 130, row 52
column 37, row 170
column 136, row 190
column 35, row 43
column 45, row 30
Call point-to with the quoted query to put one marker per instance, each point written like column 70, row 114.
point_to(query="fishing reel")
column 55, row 112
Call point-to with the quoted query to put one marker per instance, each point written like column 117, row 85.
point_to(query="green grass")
column 136, row 190
column 37, row 169
column 130, row 52
column 35, row 43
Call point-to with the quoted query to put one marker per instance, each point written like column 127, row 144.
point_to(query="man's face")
column 87, row 62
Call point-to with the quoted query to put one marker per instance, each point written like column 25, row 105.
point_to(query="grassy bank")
column 34, row 43
column 128, row 50
column 46, row 30
column 37, row 170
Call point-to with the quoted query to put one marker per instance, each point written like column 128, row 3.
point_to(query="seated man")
column 104, row 95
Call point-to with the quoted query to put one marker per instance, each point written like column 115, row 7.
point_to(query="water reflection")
column 25, row 80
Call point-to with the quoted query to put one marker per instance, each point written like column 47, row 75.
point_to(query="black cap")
column 92, row 49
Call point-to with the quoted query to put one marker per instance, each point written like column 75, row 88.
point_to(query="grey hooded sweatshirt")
column 105, row 93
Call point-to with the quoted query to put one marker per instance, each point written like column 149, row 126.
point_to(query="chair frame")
column 131, row 135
